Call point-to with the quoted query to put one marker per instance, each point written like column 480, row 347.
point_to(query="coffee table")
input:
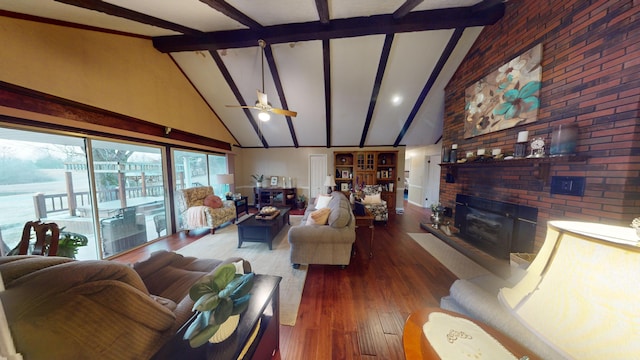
column 258, row 230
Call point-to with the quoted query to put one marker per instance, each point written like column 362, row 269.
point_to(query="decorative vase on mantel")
column 436, row 219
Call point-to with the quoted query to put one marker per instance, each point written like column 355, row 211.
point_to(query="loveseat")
column 576, row 300
column 199, row 207
column 59, row 308
column 330, row 243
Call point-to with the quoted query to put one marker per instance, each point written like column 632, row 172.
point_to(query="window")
column 44, row 176
column 130, row 194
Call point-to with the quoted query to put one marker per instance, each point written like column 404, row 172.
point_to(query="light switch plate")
column 568, row 185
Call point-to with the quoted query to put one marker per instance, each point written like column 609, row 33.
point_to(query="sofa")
column 578, row 299
column 60, row 308
column 199, row 207
column 330, row 243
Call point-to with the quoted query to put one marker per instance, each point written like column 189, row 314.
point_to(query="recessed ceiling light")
column 396, row 100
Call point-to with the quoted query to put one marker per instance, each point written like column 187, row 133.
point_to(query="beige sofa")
column 329, row 244
column 59, row 308
column 194, row 214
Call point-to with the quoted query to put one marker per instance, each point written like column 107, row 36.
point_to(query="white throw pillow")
column 323, row 201
column 372, row 199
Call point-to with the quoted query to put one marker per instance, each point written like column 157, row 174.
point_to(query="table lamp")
column 581, row 291
column 226, row 179
column 330, row 183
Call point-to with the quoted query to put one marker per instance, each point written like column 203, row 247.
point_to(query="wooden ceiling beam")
column 114, row 10
column 236, row 92
column 336, row 29
column 233, row 13
column 326, row 63
column 323, row 11
column 406, row 8
column 444, row 57
column 382, row 65
column 268, row 54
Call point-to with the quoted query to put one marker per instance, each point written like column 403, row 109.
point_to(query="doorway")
column 431, row 178
column 317, row 174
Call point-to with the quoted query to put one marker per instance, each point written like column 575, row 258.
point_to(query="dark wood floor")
column 357, row 312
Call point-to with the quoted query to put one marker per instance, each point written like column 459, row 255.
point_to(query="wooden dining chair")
column 47, row 237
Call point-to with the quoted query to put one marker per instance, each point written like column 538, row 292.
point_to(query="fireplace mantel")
column 541, row 164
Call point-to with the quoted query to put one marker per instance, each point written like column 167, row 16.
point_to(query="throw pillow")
column 213, row 201
column 372, row 199
column 319, row 217
column 322, row 201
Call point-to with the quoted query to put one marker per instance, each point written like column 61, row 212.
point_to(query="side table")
column 366, row 220
column 417, row 345
column 263, row 314
column 242, row 205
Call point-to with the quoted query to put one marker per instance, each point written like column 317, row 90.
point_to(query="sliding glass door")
column 45, row 177
column 130, row 194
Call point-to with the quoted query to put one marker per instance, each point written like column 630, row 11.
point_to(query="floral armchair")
column 198, row 208
column 372, row 201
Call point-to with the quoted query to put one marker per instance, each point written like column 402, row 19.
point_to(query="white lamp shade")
column 329, row 181
column 581, row 293
column 224, row 178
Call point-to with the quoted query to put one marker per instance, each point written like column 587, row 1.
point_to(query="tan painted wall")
column 294, row 163
column 119, row 73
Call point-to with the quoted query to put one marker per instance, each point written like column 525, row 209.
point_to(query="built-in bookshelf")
column 354, row 169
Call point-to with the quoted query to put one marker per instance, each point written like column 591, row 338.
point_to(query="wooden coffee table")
column 257, row 230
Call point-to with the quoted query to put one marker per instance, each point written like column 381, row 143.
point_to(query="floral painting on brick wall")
column 507, row 97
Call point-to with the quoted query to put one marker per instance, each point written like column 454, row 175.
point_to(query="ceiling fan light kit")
column 264, row 116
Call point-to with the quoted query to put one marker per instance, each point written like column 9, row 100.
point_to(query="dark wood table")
column 263, row 311
column 417, row 346
column 366, row 220
column 242, row 205
column 262, row 230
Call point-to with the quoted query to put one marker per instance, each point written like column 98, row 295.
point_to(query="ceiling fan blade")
column 262, row 99
column 284, row 112
column 242, row 106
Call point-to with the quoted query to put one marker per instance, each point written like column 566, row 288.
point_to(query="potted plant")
column 258, row 179
column 300, row 201
column 219, row 299
column 69, row 243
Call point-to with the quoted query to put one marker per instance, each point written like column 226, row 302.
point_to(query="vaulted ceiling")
column 357, row 72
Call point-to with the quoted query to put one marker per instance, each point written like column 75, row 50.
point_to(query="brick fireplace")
column 591, row 77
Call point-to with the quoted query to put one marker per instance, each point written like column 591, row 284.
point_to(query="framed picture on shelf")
column 384, row 174
column 344, row 186
column 274, row 181
column 345, row 174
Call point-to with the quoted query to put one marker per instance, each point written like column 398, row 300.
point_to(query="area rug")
column 460, row 265
column 224, row 244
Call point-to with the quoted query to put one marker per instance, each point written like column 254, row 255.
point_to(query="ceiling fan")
column 262, row 104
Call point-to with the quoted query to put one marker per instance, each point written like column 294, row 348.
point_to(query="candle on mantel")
column 523, row 136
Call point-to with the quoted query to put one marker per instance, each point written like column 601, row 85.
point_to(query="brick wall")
column 591, row 76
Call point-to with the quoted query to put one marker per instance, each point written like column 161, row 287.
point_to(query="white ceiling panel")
column 427, row 126
column 352, row 80
column 356, row 8
column 301, row 72
column 192, row 14
column 73, row 14
column 208, row 80
column 441, row 4
column 412, row 59
column 277, row 12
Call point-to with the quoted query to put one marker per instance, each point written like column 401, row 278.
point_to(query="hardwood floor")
column 357, row 312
